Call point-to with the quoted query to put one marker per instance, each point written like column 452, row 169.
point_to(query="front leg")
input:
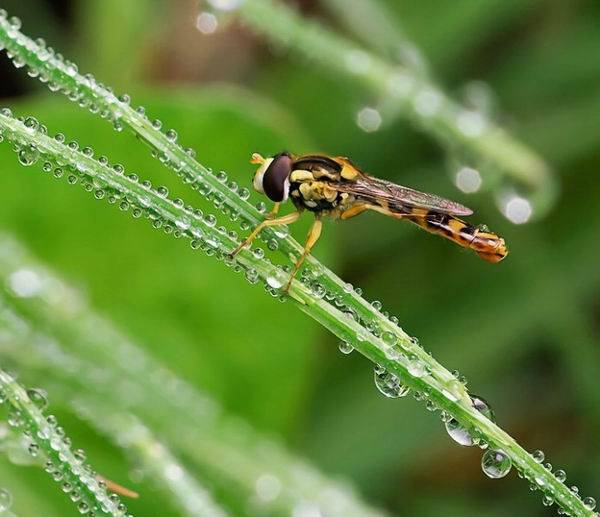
column 285, row 220
column 313, row 236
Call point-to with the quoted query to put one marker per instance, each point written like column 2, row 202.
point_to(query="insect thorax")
column 316, row 192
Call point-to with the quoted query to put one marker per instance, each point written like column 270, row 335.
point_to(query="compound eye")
column 275, row 182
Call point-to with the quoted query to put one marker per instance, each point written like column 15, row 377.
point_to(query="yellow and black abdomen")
column 489, row 246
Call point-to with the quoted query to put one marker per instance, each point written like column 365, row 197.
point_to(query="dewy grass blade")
column 392, row 356
column 65, row 466
column 53, row 332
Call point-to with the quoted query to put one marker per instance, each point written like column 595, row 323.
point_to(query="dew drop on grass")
column 538, row 456
column 38, row 397
column 388, row 384
column 460, row 434
column 28, row 155
column 277, row 279
column 495, row 463
column 345, row 347
column 589, row 503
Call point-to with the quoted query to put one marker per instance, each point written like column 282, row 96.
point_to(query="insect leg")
column 354, row 211
column 274, row 211
column 286, row 219
column 111, row 486
column 313, row 236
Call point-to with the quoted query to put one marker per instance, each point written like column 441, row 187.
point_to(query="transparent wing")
column 397, row 197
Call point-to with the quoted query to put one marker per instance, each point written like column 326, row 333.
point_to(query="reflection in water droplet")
column 495, row 464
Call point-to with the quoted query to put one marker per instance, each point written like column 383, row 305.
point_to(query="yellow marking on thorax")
column 316, row 190
column 300, row 175
column 349, row 173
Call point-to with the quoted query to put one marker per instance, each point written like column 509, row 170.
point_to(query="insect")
column 334, row 187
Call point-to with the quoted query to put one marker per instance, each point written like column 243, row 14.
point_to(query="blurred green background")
column 525, row 333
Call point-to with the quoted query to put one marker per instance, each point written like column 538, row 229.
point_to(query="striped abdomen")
column 487, row 245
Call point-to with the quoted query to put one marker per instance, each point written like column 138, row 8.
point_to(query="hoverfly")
column 334, row 187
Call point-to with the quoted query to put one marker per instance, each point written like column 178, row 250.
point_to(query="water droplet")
column 417, row 368
column 515, row 208
column 427, row 102
column 460, row 434
column 5, row 500
column 252, row 275
column 589, row 503
column 368, row 119
column 38, row 397
column 471, row 123
column 468, row 180
column 538, row 456
column 388, row 384
column 79, row 455
column 547, row 500
column 495, row 464
column 207, row 23
column 171, row 135
column 277, row 279
column 225, row 5
column 561, row 475
column 25, row 283
column 268, row 487
column 28, row 155
column 162, row 191
column 357, row 61
column 345, row 347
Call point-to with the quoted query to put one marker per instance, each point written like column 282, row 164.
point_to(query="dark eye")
column 275, row 180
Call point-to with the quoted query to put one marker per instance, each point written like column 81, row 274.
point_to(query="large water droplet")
column 495, row 464
column 460, row 434
column 388, row 384
column 589, row 503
